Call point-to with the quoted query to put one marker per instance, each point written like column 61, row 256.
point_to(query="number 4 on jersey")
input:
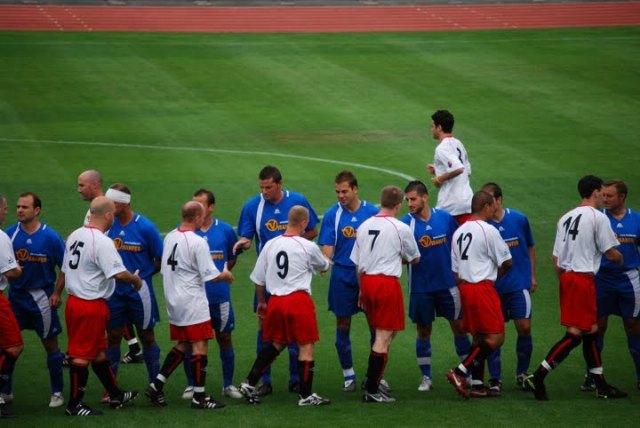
column 171, row 261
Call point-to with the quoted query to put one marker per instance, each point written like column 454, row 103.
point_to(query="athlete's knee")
column 523, row 327
column 224, row 340
column 343, row 323
column 632, row 326
column 147, row 338
column 114, row 336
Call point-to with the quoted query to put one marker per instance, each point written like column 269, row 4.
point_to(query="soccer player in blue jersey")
column 337, row 236
column 514, row 288
column 618, row 287
column 39, row 250
column 140, row 246
column 264, row 217
column 221, row 238
column 431, row 283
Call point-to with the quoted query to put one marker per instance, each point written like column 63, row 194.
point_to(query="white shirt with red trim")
column 186, row 266
column 287, row 264
column 454, row 196
column 90, row 263
column 583, row 235
column 382, row 242
column 477, row 250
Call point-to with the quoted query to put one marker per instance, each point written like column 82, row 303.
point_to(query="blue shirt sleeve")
column 328, row 228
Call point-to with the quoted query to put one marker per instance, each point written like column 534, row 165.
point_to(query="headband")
column 118, row 196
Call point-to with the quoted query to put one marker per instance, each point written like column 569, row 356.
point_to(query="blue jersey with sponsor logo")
column 38, row 254
column 433, row 272
column 627, row 230
column 221, row 238
column 264, row 221
column 339, row 229
column 516, row 232
column 138, row 243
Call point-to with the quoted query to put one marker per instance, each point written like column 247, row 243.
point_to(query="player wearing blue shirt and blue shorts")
column 221, row 238
column 431, row 283
column 618, row 287
column 337, row 236
column 514, row 288
column 264, row 217
column 140, row 246
column 39, row 250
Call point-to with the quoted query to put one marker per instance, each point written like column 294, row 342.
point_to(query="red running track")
column 318, row 19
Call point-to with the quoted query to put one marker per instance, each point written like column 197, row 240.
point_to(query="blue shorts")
column 223, row 319
column 516, row 305
column 424, row 307
column 618, row 294
column 343, row 291
column 129, row 306
column 33, row 312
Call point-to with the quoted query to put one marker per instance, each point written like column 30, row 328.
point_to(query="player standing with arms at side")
column 383, row 243
column 432, row 288
column 139, row 244
column 39, row 249
column 583, row 235
column 479, row 255
column 264, row 217
column 337, row 236
column 90, row 268
column 514, row 287
column 186, row 266
column 450, row 169
column 11, row 344
column 90, row 187
column 284, row 269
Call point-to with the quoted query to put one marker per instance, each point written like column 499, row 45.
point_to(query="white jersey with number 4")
column 287, row 263
column 90, row 263
column 186, row 266
column 477, row 251
column 7, row 259
column 382, row 242
column 454, row 196
column 582, row 236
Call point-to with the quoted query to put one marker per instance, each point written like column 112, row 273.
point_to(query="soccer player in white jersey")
column 583, row 235
column 450, row 169
column 186, row 266
column 90, row 187
column 284, row 269
column 90, row 268
column 383, row 243
column 478, row 256
column 11, row 343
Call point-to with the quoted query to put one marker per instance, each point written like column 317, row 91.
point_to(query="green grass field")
column 169, row 113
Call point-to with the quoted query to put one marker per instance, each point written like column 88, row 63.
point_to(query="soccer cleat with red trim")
column 459, row 382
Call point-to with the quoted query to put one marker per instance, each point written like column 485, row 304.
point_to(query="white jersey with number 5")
column 477, row 251
column 382, row 242
column 454, row 196
column 287, row 263
column 583, row 235
column 90, row 263
column 186, row 266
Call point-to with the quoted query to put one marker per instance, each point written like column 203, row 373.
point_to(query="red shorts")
column 291, row 319
column 10, row 335
column 578, row 300
column 86, row 327
column 191, row 333
column 481, row 308
column 381, row 298
column 462, row 218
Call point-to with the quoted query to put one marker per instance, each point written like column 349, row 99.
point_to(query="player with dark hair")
column 383, row 243
column 284, row 269
column 583, row 235
column 39, row 250
column 514, row 287
column 451, row 168
column 618, row 287
column 337, row 236
column 263, row 218
column 479, row 255
column 432, row 288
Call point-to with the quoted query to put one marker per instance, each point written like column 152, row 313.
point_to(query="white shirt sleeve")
column 450, row 156
column 206, row 267
column 7, row 256
column 499, row 251
column 318, row 262
column 605, row 237
column 108, row 259
column 409, row 250
column 259, row 274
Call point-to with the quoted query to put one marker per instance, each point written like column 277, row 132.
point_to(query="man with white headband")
column 90, row 187
column 139, row 244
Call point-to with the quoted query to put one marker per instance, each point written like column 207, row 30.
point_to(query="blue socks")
column 423, row 352
column 54, row 363
column 524, row 348
column 227, row 357
column 152, row 361
column 113, row 355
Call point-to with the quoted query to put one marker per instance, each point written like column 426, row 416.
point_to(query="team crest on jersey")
column 349, row 232
column 426, row 241
column 273, row 226
column 22, row 254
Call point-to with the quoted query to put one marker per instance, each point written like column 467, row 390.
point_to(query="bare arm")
column 310, row 234
column 504, row 267
column 327, row 251
column 225, row 276
column 129, row 278
column 55, row 300
column 534, row 281
column 556, row 267
column 13, row 273
column 439, row 179
column 262, row 304
column 613, row 255
column 243, row 243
